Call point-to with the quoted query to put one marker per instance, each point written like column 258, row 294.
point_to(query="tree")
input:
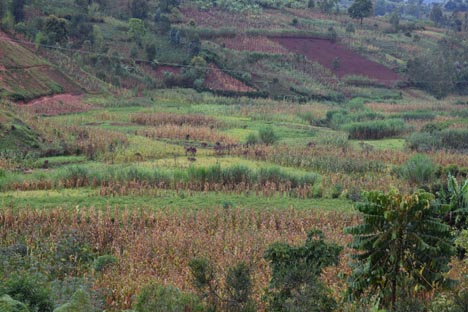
column 237, row 296
column 267, row 135
column 18, row 10
column 395, row 20
column 56, row 30
column 402, row 246
column 326, row 6
column 436, row 15
column 360, row 9
column 136, row 29
column 295, row 283
column 139, row 9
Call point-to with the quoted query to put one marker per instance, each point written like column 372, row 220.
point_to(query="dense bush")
column 295, row 284
column 237, row 296
column 267, row 135
column 155, row 297
column 28, row 289
column 419, row 170
column 79, row 302
column 375, row 130
column 451, row 139
column 8, row 304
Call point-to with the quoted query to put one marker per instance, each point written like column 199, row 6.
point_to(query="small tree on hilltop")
column 403, row 247
column 360, row 9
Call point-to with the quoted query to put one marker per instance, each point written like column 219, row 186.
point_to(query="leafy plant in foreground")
column 402, row 247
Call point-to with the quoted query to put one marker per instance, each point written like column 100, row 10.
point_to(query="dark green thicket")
column 295, row 283
column 28, row 289
column 154, row 297
column 431, row 138
column 376, row 129
column 237, row 293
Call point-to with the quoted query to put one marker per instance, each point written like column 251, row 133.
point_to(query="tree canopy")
column 402, row 246
column 360, row 9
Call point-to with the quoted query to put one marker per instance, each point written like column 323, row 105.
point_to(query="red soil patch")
column 218, row 80
column 350, row 63
column 254, row 44
column 56, row 105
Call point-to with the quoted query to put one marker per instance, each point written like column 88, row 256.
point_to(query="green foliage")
column 295, row 283
column 28, row 289
column 56, row 30
column 442, row 70
column 103, row 262
column 436, row 15
column 18, row 10
column 326, row 6
column 252, row 139
column 401, row 246
column 431, row 138
column 360, row 9
column 79, row 302
column 136, row 29
column 8, row 304
column 71, row 253
column 139, row 9
column 418, row 170
column 238, row 286
column 376, row 129
column 267, row 135
column 155, row 297
column 455, row 199
column 239, row 289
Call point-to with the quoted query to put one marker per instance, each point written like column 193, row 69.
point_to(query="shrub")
column 237, row 283
column 295, row 283
column 423, row 141
column 103, row 262
column 419, row 169
column 455, row 139
column 267, row 135
column 237, row 174
column 8, row 304
column 79, row 302
column 252, row 139
column 155, row 297
column 337, row 139
column 30, row 290
column 376, row 129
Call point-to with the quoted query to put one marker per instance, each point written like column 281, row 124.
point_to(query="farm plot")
column 338, row 59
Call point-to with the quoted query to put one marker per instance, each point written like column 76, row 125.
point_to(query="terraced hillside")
column 25, row 76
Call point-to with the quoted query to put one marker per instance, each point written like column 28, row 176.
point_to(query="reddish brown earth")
column 216, row 79
column 56, row 105
column 350, row 63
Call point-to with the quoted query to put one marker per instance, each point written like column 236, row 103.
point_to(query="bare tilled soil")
column 350, row 63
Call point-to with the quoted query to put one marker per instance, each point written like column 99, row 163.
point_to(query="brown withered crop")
column 157, row 245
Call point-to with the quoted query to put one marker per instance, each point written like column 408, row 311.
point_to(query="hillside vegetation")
column 239, row 156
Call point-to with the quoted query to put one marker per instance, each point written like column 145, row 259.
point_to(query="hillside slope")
column 25, row 76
